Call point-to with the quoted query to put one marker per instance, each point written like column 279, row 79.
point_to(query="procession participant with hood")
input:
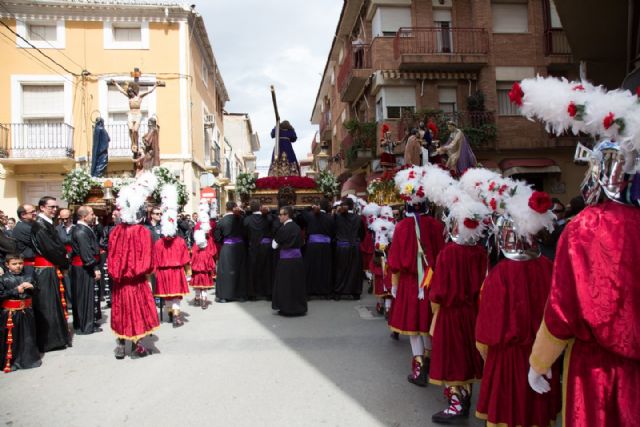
column 347, row 261
column 259, row 228
column 203, row 254
column 411, row 263
column 64, row 231
column 130, row 260
column 231, row 274
column 22, row 234
column 49, row 304
column 18, row 345
column 512, row 301
column 85, row 270
column 382, row 227
column 460, row 270
column 171, row 258
column 319, row 228
column 289, row 291
column 367, row 247
column 592, row 311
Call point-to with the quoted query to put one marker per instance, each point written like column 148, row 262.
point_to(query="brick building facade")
column 397, row 62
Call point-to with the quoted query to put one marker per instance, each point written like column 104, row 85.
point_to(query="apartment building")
column 241, row 144
column 58, row 60
column 396, row 62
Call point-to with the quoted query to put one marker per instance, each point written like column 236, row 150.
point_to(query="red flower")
column 493, row 204
column 283, row 181
column 412, row 175
column 609, row 120
column 572, row 109
column 578, row 87
column 492, row 186
column 502, row 189
column 420, row 192
column 638, row 91
column 540, row 202
column 471, row 223
column 516, row 94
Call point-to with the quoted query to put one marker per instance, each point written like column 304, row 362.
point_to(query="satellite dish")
column 207, row 180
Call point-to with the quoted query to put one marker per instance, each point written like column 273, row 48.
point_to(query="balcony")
column 354, row 72
column 46, row 142
column 120, row 144
column 325, row 126
column 441, row 48
column 556, row 47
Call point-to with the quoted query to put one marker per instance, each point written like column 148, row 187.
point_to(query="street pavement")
column 235, row 364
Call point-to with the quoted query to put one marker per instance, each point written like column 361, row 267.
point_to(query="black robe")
column 84, row 246
column 348, row 260
column 65, row 238
column 289, row 291
column 22, row 236
column 7, row 246
column 105, row 280
column 24, row 347
column 318, row 256
column 231, row 270
column 260, row 255
column 51, row 323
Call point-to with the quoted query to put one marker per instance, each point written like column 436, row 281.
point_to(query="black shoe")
column 355, row 297
column 142, row 351
column 119, row 351
column 97, row 329
column 370, row 289
column 395, row 336
column 336, row 297
column 443, row 418
column 221, row 300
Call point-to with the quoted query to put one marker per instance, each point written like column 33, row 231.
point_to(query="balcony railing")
column 325, row 126
column 36, row 140
column 441, row 41
column 120, row 144
column 556, row 43
column 355, row 58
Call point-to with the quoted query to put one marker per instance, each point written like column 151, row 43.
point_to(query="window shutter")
column 510, row 17
column 43, row 101
column 43, row 32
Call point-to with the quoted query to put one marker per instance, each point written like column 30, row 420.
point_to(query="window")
column 442, row 20
column 43, row 103
column 555, row 18
column 388, row 20
column 126, row 35
column 396, row 100
column 505, row 107
column 448, row 99
column 204, row 72
column 41, row 34
column 510, row 17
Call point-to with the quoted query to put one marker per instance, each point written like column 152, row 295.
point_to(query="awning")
column 429, row 75
column 525, row 166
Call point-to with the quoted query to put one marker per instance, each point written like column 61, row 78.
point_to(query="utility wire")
column 41, row 52
column 43, row 39
column 44, row 64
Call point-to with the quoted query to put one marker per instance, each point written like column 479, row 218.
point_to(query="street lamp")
column 322, row 159
column 250, row 162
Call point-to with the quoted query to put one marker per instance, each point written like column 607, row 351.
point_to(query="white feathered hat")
column 409, row 183
column 131, row 198
column 169, row 221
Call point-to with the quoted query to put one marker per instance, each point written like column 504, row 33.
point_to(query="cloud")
column 284, row 43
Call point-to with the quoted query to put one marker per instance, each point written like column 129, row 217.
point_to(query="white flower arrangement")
column 76, row 186
column 327, row 183
column 245, row 183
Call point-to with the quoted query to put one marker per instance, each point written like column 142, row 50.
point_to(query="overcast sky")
column 258, row 43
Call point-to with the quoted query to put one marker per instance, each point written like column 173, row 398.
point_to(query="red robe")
column 409, row 315
column 593, row 308
column 367, row 247
column 460, row 271
column 512, row 301
column 130, row 259
column 170, row 255
column 381, row 278
column 203, row 266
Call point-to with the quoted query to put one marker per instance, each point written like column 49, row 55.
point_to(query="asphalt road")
column 235, row 364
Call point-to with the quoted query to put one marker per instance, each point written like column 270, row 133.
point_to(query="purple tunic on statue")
column 286, row 138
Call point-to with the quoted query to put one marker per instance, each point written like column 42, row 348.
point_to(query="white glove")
column 274, row 244
column 421, row 294
column 537, row 382
column 394, row 291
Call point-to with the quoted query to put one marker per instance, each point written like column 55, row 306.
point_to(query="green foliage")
column 480, row 135
column 363, row 133
column 475, row 102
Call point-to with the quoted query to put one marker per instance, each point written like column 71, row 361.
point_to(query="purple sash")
column 319, row 238
column 290, row 253
column 232, row 240
column 266, row 241
column 346, row 244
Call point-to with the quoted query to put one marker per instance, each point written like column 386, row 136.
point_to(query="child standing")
column 18, row 348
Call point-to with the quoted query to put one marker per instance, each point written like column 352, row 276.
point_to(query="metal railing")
column 358, row 58
column 325, row 123
column 437, row 41
column 556, row 42
column 36, row 140
column 120, row 144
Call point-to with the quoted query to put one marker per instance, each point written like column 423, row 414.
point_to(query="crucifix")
column 135, row 102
